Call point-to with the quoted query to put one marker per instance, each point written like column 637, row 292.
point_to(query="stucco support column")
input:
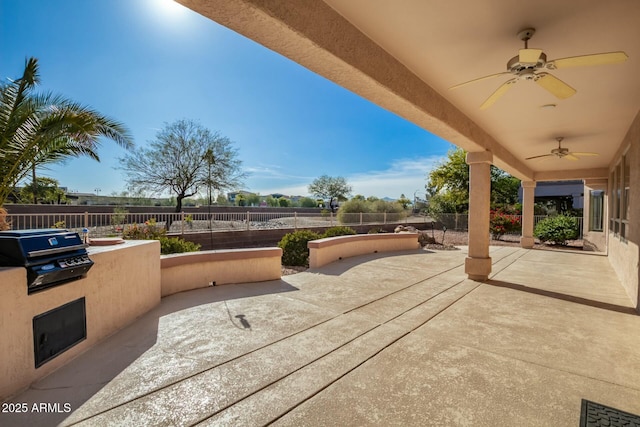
column 528, row 193
column 478, row 263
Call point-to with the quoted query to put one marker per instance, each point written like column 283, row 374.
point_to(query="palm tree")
column 36, row 129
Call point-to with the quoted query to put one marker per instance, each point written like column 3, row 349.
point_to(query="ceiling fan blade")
column 554, row 85
column 529, row 56
column 536, row 157
column 585, row 154
column 497, row 94
column 588, row 60
column 570, row 157
column 478, row 80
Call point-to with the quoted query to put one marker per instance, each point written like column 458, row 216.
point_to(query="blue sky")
column 151, row 62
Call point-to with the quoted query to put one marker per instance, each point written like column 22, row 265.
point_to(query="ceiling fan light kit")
column 563, row 153
column 529, row 63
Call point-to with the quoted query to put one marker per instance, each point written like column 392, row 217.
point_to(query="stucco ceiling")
column 444, row 43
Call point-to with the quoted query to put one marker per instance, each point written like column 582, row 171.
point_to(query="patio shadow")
column 564, row 297
column 86, row 376
column 342, row 265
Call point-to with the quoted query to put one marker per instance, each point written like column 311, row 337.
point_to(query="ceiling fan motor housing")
column 560, row 152
column 525, row 70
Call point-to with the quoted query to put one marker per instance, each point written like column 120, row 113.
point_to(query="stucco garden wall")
column 331, row 249
column 183, row 272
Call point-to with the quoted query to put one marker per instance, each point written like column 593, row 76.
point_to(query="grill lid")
column 18, row 248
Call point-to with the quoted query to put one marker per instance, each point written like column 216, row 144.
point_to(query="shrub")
column 294, row 247
column 339, row 231
column 150, row 230
column 382, row 206
column 372, row 209
column 283, row 202
column 376, row 230
column 557, row 229
column 502, row 223
column 119, row 216
column 176, row 245
column 353, row 206
column 307, row 202
column 4, row 224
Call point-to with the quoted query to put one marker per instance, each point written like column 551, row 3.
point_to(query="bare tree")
column 184, row 159
column 332, row 188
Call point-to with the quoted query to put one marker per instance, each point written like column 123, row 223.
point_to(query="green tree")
column 241, row 200
column 44, row 190
column 404, row 201
column 331, row 188
column 307, row 202
column 253, row 199
column 504, row 188
column 283, row 202
column 38, row 129
column 448, row 185
column 222, row 200
column 185, row 158
column 272, row 201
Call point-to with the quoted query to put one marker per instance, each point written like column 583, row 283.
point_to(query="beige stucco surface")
column 182, row 272
column 625, row 255
column 406, row 58
column 380, row 339
column 331, row 249
column 478, row 264
column 123, row 284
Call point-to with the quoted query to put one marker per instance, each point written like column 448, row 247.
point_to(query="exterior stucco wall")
column 123, row 284
column 625, row 255
column 331, row 249
column 183, row 272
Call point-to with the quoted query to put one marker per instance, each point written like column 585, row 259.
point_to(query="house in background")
column 496, row 78
column 231, row 196
column 559, row 193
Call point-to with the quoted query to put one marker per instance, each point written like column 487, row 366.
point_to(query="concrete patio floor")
column 396, row 339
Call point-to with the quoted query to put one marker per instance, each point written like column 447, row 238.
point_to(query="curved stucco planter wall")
column 331, row 249
column 183, row 272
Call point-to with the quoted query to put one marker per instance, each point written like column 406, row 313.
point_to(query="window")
column 612, row 198
column 596, row 210
column 626, row 182
column 620, row 180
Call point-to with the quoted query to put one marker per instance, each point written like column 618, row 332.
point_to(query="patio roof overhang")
column 405, row 57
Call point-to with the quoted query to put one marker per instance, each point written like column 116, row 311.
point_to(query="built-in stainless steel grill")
column 51, row 257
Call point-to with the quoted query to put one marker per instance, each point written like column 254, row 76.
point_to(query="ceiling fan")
column 563, row 153
column 528, row 65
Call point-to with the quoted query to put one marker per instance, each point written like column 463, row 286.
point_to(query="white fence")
column 113, row 224
column 460, row 222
